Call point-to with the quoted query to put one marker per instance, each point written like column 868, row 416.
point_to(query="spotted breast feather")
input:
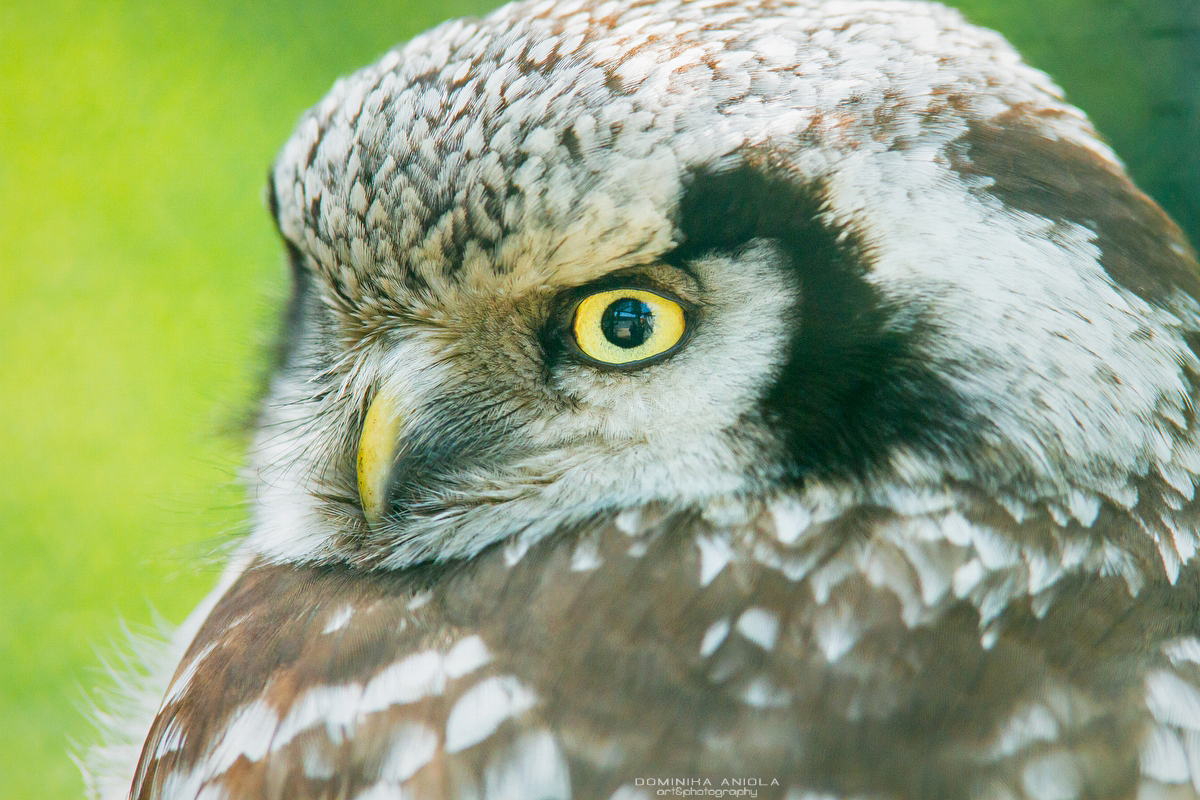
column 930, row 647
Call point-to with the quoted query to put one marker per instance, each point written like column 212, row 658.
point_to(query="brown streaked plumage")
column 621, row 664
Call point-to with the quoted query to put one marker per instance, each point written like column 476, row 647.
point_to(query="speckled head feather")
column 551, row 141
column 907, row 509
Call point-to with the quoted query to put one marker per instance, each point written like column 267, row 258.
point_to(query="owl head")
column 578, row 257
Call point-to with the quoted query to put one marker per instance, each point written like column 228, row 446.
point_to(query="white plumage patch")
column 413, row 745
column 759, row 626
column 482, row 709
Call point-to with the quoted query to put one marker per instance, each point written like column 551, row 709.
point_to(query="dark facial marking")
column 853, row 385
column 453, row 436
column 297, row 308
column 1141, row 249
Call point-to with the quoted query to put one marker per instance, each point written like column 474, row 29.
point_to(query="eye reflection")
column 628, row 322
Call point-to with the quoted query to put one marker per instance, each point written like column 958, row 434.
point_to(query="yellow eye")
column 625, row 326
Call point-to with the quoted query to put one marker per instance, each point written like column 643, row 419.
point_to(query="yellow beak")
column 377, row 454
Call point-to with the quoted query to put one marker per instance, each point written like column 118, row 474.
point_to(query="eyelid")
column 573, row 297
column 673, row 282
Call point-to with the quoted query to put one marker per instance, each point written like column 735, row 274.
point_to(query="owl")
column 707, row 398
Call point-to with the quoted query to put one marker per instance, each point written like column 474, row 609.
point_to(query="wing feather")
column 939, row 651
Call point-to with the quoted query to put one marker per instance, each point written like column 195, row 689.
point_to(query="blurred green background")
column 140, row 278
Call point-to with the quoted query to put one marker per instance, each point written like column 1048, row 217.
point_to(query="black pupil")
column 627, row 322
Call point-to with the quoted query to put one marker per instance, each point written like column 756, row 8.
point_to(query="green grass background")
column 140, row 278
